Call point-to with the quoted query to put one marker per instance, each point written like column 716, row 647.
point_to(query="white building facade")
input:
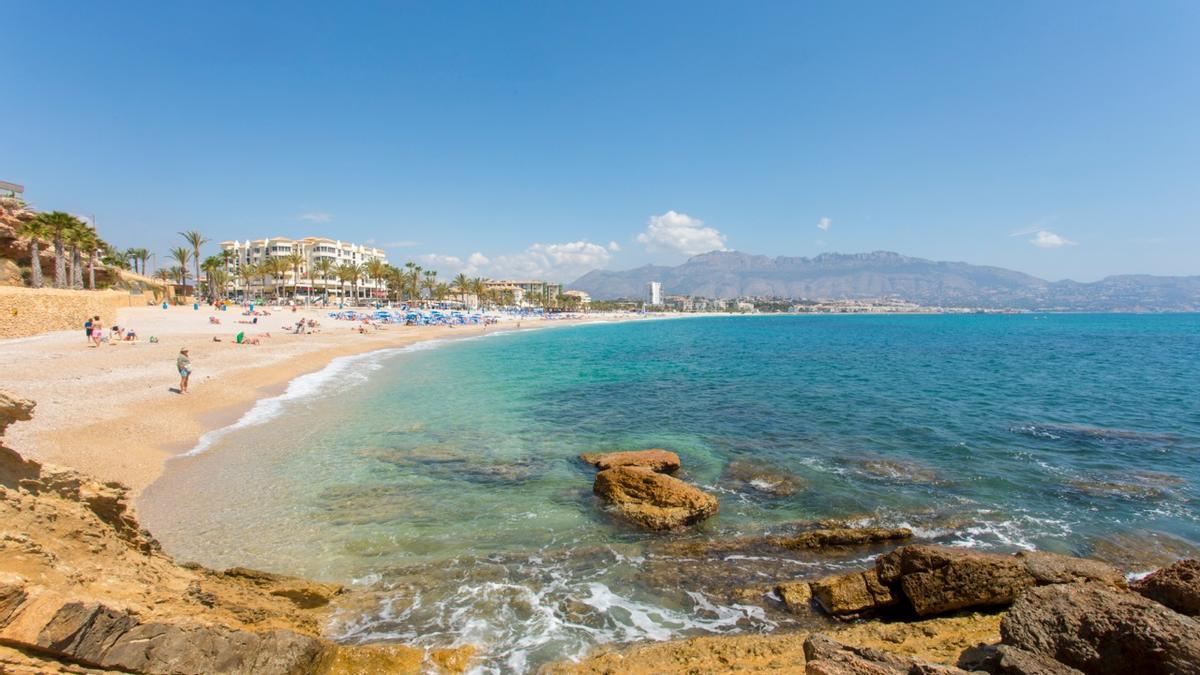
column 654, row 291
column 311, row 282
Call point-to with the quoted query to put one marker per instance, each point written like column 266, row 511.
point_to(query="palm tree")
column 212, row 265
column 461, row 282
column 347, row 272
column 144, row 256
column 323, row 265
column 35, row 230
column 88, row 241
column 479, row 288
column 247, row 273
column 295, row 259
column 376, row 270
column 196, row 240
column 441, row 291
column 429, row 282
column 57, row 223
column 182, row 256
column 77, row 236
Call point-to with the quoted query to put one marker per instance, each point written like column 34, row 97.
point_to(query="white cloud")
column 614, row 246
column 1048, row 239
column 316, row 217
column 680, row 233
column 824, row 223
column 554, row 262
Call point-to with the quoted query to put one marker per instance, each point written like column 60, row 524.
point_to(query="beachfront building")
column 524, row 293
column 654, row 293
column 312, row 282
column 580, row 299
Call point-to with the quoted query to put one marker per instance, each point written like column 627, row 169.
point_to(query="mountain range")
column 836, row 276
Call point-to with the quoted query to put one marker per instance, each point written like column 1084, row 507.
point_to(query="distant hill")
column 730, row 274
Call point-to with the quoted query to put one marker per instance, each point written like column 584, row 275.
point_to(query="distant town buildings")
column 522, row 293
column 581, row 299
column 312, row 280
column 11, row 189
column 654, row 293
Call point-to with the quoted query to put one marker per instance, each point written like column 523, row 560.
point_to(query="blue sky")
column 1060, row 139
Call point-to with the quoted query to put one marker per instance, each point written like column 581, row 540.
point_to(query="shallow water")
column 444, row 481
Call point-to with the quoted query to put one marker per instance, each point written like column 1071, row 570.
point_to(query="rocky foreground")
column 919, row 608
column 84, row 590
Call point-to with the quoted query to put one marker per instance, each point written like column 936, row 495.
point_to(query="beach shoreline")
column 112, row 411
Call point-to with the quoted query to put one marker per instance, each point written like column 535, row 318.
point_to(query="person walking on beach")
column 97, row 331
column 87, row 328
column 184, row 364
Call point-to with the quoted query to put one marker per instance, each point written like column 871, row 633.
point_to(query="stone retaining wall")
column 31, row 311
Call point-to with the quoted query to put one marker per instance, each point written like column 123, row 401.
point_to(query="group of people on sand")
column 93, row 328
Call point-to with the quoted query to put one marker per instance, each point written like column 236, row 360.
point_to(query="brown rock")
column 853, row 594
column 1177, row 586
column 453, row 660
column 1052, row 568
column 843, row 536
column 1008, row 660
column 825, row 656
column 304, row 593
column 762, row 478
column 1103, row 631
column 937, row 579
column 653, row 500
column 661, row 461
column 796, row 596
column 364, row 659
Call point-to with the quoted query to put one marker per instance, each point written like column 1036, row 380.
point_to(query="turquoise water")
column 444, row 481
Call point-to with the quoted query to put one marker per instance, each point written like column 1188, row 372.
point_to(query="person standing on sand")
column 184, row 364
column 97, row 331
column 87, row 328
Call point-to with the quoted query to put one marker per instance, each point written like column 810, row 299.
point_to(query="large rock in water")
column 1103, row 631
column 653, row 500
column 662, row 461
column 937, row 579
column 1177, row 586
column 1052, row 568
column 837, row 537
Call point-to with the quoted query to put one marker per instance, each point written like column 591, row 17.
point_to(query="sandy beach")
column 113, row 411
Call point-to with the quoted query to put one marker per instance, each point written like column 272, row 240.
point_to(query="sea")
column 442, row 481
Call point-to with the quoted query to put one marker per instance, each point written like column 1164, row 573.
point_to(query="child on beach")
column 184, row 365
column 87, row 328
column 97, row 331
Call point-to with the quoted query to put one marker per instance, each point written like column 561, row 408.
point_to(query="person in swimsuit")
column 184, row 364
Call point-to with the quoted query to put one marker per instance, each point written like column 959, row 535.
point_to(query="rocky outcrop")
column 1008, row 660
column 936, row 579
column 760, row 478
column 1052, row 568
column 1103, row 631
column 653, row 500
column 853, row 595
column 1177, row 586
column 661, row 461
column 826, row 656
column 83, row 589
column 842, row 537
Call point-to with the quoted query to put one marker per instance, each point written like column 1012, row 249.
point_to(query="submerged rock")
column 1103, row 631
column 1143, row 551
column 761, row 478
column 1177, row 586
column 655, row 459
column 842, row 537
column 653, row 500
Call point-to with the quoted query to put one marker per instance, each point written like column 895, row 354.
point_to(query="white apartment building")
column 310, row 282
column 654, row 291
